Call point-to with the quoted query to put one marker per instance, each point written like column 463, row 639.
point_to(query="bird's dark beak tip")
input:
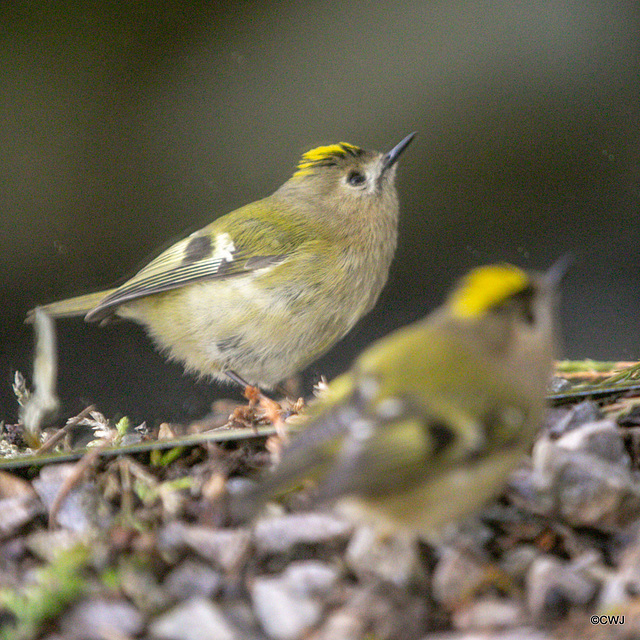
column 392, row 156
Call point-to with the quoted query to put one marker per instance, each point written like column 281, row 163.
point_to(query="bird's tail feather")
column 71, row 307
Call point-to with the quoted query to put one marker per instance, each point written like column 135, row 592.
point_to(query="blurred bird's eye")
column 355, row 178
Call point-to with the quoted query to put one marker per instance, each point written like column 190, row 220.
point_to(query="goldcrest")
column 260, row 293
column 431, row 419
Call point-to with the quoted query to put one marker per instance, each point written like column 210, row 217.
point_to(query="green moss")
column 54, row 588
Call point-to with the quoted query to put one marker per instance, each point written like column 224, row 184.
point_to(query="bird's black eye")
column 355, row 178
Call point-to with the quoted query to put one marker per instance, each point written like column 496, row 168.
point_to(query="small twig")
column 61, row 433
column 78, row 471
column 595, row 392
column 125, row 483
column 628, row 373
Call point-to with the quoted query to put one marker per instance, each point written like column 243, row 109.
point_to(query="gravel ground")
column 137, row 546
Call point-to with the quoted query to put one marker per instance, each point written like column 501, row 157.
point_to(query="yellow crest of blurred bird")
column 431, row 419
column 263, row 291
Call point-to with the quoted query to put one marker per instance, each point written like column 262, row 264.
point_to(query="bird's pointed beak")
column 558, row 270
column 391, row 157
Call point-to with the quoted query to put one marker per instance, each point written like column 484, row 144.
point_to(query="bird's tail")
column 71, row 307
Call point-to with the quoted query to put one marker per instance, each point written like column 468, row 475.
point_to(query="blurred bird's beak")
column 556, row 273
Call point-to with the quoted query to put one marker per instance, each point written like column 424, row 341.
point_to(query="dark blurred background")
column 125, row 125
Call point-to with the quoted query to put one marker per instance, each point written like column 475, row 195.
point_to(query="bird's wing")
column 407, row 419
column 398, row 448
column 354, row 446
column 208, row 254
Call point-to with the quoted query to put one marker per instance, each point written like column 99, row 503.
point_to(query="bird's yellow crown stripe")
column 486, row 287
column 325, row 156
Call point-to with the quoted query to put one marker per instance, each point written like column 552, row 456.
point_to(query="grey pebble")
column 394, row 559
column 345, row 624
column 191, row 578
column 49, row 544
column 82, row 509
column 520, row 633
column 376, row 611
column 584, row 477
column 516, row 561
column 595, row 494
column 601, row 439
column 19, row 504
column 563, row 420
column 98, row 619
column 621, row 586
column 553, row 586
column 292, row 602
column 456, row 577
column 280, row 534
column 227, row 548
column 194, row 619
column 489, row 613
